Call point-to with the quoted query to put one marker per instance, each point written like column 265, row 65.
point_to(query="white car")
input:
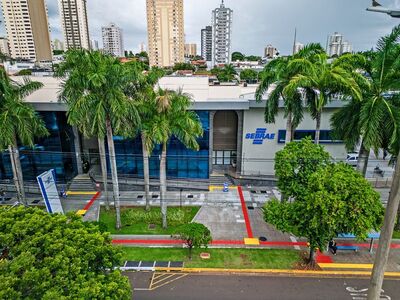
column 352, row 159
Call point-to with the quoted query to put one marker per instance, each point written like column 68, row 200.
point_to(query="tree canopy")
column 225, row 74
column 52, row 256
column 238, row 56
column 295, row 163
column 18, row 120
column 184, row 67
column 195, row 235
column 338, row 200
column 249, row 75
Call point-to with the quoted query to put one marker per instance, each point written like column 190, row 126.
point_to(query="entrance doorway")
column 225, row 132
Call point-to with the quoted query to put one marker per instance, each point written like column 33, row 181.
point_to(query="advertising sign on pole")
column 48, row 187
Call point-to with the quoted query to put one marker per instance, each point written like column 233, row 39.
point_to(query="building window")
column 325, row 136
column 225, row 158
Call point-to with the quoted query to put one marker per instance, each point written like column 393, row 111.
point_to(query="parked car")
column 352, row 159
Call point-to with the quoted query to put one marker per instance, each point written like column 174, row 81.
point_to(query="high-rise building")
column 347, row 47
column 58, row 45
column 270, row 51
column 142, row 47
column 190, row 50
column 112, row 40
column 4, row 46
column 222, row 33
column 206, row 43
column 337, row 45
column 165, row 29
column 297, row 47
column 94, row 45
column 75, row 23
column 27, row 29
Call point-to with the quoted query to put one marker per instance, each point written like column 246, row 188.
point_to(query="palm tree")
column 18, row 121
column 173, row 119
column 147, row 109
column 276, row 76
column 373, row 122
column 228, row 73
column 322, row 80
column 386, row 63
column 93, row 88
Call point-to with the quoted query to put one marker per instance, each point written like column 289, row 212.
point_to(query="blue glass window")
column 181, row 162
column 325, row 136
column 56, row 151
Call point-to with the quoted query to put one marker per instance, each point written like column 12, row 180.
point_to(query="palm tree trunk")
column 318, row 128
column 114, row 174
column 288, row 128
column 363, row 157
column 163, row 185
column 146, row 173
column 385, row 239
column 103, row 163
column 15, row 174
column 18, row 168
column 20, row 175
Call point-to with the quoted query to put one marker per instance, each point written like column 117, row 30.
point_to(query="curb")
column 284, row 272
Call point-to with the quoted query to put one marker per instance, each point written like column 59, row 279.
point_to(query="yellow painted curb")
column 274, row 271
column 346, row 266
column 81, row 212
column 212, row 188
column 81, row 193
column 251, row 241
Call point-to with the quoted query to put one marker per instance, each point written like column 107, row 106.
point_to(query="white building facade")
column 112, row 40
column 4, row 46
column 222, row 34
column 27, row 28
column 74, row 22
column 337, row 45
column 236, row 139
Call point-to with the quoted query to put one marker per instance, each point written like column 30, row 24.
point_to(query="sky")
column 256, row 23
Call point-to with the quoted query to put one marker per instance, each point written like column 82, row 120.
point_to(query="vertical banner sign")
column 47, row 185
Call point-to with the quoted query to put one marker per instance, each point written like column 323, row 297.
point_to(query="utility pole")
column 385, row 239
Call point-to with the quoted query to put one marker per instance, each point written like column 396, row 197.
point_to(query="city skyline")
column 27, row 22
column 362, row 28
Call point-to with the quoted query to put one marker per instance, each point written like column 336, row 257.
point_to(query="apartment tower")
column 337, row 45
column 112, row 40
column 190, row 50
column 222, row 33
column 27, row 29
column 165, row 29
column 206, row 43
column 74, row 22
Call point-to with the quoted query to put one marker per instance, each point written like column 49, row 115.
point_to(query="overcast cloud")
column 256, row 23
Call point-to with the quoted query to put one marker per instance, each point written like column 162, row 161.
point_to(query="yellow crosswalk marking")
column 160, row 279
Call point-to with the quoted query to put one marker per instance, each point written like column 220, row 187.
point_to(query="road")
column 231, row 287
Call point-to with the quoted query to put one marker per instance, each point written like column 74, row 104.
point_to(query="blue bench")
column 354, row 248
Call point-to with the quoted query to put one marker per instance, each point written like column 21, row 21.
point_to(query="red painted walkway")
column 245, row 213
column 156, row 242
column 90, row 203
column 321, row 258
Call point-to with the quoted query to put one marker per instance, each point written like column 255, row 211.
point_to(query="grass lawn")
column 220, row 258
column 396, row 234
column 135, row 220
